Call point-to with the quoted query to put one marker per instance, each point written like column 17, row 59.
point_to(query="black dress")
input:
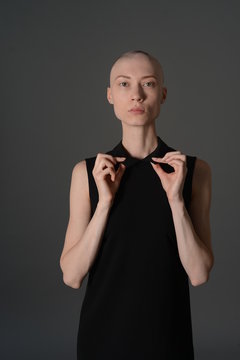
column 137, row 302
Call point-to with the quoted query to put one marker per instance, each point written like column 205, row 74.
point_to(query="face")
column 136, row 82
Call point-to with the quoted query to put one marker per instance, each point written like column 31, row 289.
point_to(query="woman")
column 140, row 226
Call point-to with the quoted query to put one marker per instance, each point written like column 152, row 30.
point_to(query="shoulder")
column 80, row 176
column 202, row 167
column 79, row 169
column 201, row 176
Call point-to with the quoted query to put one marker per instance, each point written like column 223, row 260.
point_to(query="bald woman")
column 139, row 225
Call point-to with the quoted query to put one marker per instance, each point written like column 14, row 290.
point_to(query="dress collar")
column 159, row 151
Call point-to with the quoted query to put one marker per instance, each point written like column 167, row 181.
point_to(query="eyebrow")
column 143, row 77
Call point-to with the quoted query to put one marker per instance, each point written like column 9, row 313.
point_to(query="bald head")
column 138, row 53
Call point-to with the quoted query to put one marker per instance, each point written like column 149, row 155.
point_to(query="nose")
column 137, row 93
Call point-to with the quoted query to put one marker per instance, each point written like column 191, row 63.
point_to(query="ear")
column 164, row 94
column 109, row 95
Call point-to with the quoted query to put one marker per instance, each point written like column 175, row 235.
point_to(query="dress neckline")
column 124, row 151
column 159, row 151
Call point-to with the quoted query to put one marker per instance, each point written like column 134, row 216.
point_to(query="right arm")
column 82, row 236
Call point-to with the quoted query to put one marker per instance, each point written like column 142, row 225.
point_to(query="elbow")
column 73, row 283
column 69, row 280
column 200, row 280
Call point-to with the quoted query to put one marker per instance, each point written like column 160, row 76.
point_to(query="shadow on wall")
column 221, row 353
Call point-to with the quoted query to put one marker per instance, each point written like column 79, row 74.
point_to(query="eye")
column 123, row 82
column 150, row 82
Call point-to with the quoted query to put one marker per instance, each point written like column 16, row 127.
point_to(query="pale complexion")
column 136, row 81
column 192, row 228
column 83, row 235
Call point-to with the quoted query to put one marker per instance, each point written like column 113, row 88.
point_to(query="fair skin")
column 83, row 235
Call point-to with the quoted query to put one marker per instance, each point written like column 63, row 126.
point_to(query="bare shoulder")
column 79, row 206
column 79, row 192
column 200, row 204
column 202, row 176
column 80, row 177
column 80, row 168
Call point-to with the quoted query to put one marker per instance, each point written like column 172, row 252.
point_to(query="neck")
column 139, row 144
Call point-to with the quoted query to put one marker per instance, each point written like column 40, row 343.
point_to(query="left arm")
column 192, row 227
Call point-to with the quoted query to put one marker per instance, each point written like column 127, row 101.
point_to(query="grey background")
column 55, row 59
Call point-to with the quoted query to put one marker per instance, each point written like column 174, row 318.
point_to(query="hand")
column 106, row 177
column 172, row 182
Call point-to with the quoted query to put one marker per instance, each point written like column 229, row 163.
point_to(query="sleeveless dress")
column 137, row 302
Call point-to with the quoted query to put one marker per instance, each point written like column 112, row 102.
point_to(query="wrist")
column 176, row 201
column 104, row 204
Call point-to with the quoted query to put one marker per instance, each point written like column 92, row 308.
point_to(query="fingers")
column 105, row 165
column 111, row 171
column 177, row 164
column 120, row 171
column 120, row 158
column 168, row 153
column 172, row 153
column 173, row 158
column 169, row 156
column 103, row 160
column 107, row 171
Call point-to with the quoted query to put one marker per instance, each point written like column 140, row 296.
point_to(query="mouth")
column 137, row 110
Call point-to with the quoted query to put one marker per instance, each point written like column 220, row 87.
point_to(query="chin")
column 136, row 121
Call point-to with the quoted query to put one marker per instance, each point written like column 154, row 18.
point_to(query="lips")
column 141, row 109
